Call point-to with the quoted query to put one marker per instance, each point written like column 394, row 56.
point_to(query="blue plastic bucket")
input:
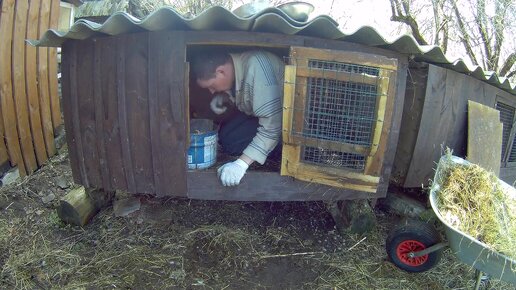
column 203, row 144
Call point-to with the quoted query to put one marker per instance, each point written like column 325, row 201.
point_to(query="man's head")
column 214, row 71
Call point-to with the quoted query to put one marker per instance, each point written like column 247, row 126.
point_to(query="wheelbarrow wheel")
column 413, row 236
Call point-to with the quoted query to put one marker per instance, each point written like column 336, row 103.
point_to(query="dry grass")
column 190, row 244
column 473, row 201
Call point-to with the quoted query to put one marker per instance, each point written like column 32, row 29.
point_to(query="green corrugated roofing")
column 270, row 20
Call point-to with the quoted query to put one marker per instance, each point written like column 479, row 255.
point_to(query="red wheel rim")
column 405, row 247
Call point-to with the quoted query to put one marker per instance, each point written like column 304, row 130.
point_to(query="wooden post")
column 81, row 204
column 354, row 216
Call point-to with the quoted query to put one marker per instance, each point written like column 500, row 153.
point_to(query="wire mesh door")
column 336, row 107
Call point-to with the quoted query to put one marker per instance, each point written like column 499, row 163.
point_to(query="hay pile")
column 473, row 201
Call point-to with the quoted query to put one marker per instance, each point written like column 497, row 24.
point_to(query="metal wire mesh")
column 339, row 111
column 332, row 158
column 343, row 67
column 506, row 117
column 340, row 105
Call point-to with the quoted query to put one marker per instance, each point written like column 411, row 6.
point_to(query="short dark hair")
column 205, row 64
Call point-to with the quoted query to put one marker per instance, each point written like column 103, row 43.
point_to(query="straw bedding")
column 473, row 201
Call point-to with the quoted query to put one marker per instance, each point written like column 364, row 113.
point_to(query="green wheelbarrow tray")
column 467, row 249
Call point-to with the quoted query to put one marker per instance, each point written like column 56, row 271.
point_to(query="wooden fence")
column 29, row 100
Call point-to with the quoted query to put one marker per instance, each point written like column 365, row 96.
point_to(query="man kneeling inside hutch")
column 253, row 82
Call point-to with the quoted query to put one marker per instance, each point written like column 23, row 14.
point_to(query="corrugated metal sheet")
column 270, row 20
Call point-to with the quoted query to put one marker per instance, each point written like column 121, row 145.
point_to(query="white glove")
column 217, row 104
column 231, row 173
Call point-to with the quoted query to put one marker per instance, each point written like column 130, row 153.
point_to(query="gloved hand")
column 231, row 173
column 217, row 104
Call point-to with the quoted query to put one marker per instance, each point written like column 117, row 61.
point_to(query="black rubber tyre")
column 413, row 235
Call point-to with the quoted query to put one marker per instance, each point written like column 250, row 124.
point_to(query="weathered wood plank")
column 153, row 76
column 32, row 85
column 98, row 75
column 19, row 91
column 265, row 186
column 69, row 92
column 361, row 58
column 384, row 121
column 55, row 107
column 304, row 71
column 86, row 112
column 6, row 88
column 396, row 119
column 43, row 83
column 4, row 156
column 107, row 47
column 173, row 111
column 137, row 107
column 412, row 109
column 289, row 90
column 484, row 136
column 444, row 120
column 438, row 111
column 122, row 114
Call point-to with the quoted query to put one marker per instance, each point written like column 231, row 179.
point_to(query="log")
column 80, row 205
column 353, row 216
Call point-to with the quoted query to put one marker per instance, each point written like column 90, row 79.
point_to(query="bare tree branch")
column 511, row 74
column 405, row 17
column 509, row 63
column 501, row 8
column 465, row 40
column 481, row 24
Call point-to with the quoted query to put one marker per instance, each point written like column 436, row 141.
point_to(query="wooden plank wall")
column 125, row 112
column 442, row 109
column 29, row 100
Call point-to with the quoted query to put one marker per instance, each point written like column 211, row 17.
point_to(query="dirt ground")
column 190, row 244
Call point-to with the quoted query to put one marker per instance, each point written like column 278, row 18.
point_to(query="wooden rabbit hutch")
column 128, row 99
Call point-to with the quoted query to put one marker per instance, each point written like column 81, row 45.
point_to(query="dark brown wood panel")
column 43, row 81
column 412, row 109
column 266, row 186
column 100, row 115
column 435, row 124
column 86, row 112
column 153, row 75
column 32, row 84
column 122, row 114
column 170, row 52
column 106, row 111
column 19, row 90
column 243, row 38
column 443, row 120
column 6, row 87
column 69, row 93
column 137, row 109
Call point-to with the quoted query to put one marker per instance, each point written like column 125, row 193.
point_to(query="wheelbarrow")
column 416, row 246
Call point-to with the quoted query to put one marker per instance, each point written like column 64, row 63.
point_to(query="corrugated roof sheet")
column 270, row 20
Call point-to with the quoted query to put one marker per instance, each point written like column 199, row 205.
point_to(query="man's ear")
column 221, row 69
